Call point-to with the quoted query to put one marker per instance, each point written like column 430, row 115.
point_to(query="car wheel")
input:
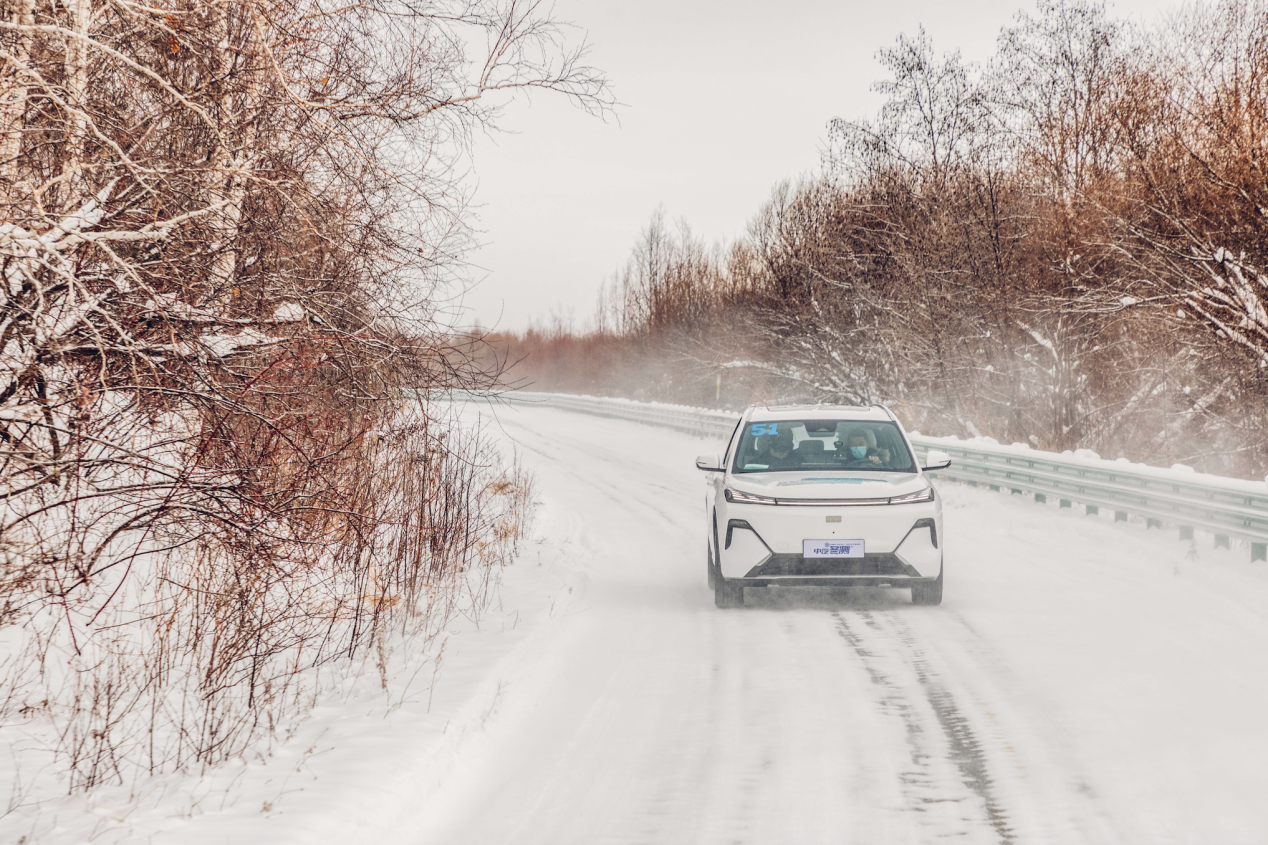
column 726, row 594
column 929, row 592
column 713, row 576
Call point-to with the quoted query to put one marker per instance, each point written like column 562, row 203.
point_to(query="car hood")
column 828, row 485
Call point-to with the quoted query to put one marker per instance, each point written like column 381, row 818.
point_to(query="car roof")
column 862, row 413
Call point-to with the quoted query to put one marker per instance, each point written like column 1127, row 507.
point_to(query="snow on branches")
column 223, row 224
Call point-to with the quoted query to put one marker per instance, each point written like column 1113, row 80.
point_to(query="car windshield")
column 819, row 445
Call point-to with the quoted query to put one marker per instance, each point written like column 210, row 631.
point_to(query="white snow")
column 223, row 345
column 1084, row 681
column 288, row 312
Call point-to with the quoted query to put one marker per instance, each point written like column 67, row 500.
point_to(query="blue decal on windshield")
column 763, row 428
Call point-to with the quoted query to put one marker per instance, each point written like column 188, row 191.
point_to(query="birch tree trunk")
column 14, row 84
column 79, row 27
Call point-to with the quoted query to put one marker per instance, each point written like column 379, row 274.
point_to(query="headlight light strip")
column 739, row 497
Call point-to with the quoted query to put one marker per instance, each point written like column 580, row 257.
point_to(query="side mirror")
column 936, row 460
column 709, row 463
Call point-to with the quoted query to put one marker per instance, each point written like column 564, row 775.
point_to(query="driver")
column 859, row 454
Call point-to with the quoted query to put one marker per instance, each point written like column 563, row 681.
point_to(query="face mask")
column 858, row 451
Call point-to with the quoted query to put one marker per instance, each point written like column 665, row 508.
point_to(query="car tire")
column 715, row 557
column 929, row 592
column 726, row 594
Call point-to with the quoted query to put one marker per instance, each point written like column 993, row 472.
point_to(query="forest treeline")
column 1067, row 247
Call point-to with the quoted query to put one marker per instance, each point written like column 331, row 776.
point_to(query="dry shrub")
column 199, row 644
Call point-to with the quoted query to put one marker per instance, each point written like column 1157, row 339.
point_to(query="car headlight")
column 925, row 495
column 746, row 498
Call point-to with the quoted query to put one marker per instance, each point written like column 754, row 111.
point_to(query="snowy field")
column 1083, row 681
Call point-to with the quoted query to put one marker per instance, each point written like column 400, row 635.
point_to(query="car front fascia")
column 766, row 523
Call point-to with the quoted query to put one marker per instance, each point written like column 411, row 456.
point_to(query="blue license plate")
column 832, row 548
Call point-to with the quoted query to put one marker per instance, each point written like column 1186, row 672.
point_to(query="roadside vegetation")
column 228, row 231
column 1066, row 247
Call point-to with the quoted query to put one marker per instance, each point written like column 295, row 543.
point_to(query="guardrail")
column 1228, row 508
column 701, row 421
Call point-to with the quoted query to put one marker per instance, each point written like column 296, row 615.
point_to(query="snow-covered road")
column 1084, row 681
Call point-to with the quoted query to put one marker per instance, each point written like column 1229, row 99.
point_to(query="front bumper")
column 843, row 581
column 903, row 544
column 876, row 570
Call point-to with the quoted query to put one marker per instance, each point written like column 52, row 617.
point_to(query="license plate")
column 831, row 548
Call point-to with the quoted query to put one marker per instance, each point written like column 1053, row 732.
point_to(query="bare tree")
column 1197, row 235
column 1065, row 248
column 225, row 225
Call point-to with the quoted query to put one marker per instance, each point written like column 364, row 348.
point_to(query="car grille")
column 795, row 565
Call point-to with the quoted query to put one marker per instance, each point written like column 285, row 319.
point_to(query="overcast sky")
column 722, row 99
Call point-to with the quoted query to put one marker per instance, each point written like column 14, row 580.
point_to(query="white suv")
column 822, row 495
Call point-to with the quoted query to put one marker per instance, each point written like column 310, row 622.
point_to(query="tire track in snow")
column 896, row 665
column 1046, row 787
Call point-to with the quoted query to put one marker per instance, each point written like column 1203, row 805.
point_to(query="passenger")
column 780, row 453
column 859, row 454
